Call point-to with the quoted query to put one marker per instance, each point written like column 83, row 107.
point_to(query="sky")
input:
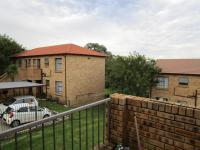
column 155, row 28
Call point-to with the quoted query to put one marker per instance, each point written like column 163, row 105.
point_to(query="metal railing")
column 78, row 128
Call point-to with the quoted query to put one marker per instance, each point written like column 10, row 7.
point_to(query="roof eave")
column 191, row 74
column 60, row 54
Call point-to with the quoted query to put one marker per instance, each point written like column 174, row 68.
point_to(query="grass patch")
column 53, row 106
column 24, row 139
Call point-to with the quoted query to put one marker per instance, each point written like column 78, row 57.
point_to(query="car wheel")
column 15, row 123
column 45, row 116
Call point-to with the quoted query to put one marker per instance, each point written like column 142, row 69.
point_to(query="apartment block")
column 71, row 72
column 179, row 81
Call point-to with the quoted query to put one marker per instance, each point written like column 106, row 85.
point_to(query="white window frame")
column 36, row 63
column 183, row 80
column 46, row 61
column 58, row 64
column 163, row 82
column 28, row 62
column 58, row 87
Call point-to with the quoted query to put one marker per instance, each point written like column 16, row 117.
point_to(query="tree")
column 97, row 47
column 8, row 48
column 12, row 70
column 134, row 74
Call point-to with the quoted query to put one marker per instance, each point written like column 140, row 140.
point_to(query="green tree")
column 8, row 48
column 98, row 47
column 12, row 70
column 134, row 74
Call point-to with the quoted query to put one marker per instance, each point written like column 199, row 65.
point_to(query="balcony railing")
column 79, row 128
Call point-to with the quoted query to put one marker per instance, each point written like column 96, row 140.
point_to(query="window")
column 162, row 82
column 28, row 100
column 183, row 81
column 23, row 109
column 47, row 83
column 29, row 63
column 9, row 109
column 19, row 101
column 46, row 62
column 59, row 87
column 58, row 65
column 36, row 63
column 32, row 108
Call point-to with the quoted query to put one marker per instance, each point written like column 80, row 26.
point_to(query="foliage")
column 12, row 70
column 97, row 47
column 134, row 74
column 8, row 47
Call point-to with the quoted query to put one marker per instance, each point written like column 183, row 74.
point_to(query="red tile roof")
column 60, row 50
column 179, row 66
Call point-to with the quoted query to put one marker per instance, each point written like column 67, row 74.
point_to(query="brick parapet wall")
column 161, row 125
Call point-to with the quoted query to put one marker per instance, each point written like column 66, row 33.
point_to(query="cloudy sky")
column 155, row 28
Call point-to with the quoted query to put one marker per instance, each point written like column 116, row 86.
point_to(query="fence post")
column 35, row 113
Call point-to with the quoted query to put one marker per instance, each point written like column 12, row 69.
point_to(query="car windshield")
column 9, row 109
column 9, row 101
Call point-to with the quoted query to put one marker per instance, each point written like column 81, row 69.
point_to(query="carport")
column 18, row 88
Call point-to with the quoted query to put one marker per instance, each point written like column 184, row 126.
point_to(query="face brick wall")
column 161, row 125
column 177, row 93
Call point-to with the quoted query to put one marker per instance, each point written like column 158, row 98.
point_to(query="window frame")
column 182, row 83
column 46, row 62
column 164, row 85
column 36, row 63
column 28, row 62
column 57, row 91
column 58, row 69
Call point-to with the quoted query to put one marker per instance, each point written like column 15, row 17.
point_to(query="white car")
column 17, row 114
column 16, row 100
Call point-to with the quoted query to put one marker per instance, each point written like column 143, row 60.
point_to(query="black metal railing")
column 80, row 128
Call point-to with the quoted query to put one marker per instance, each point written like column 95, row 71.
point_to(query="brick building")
column 71, row 72
column 179, row 81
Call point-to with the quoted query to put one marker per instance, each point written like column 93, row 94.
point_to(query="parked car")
column 17, row 114
column 16, row 100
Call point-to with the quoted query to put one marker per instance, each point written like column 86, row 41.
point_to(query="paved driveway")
column 3, row 126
